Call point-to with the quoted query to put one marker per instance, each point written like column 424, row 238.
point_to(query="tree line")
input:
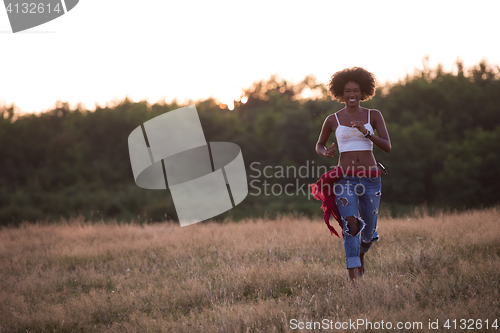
column 444, row 128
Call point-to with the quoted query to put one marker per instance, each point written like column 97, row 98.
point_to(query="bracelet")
column 368, row 134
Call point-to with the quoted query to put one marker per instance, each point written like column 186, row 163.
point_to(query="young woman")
column 358, row 188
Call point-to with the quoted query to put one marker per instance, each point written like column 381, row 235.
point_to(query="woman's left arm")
column 382, row 139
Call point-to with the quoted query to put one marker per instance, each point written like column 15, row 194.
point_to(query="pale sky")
column 104, row 50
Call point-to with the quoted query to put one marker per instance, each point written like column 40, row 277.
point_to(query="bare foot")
column 354, row 291
column 353, row 273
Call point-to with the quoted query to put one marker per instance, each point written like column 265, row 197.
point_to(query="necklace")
column 350, row 114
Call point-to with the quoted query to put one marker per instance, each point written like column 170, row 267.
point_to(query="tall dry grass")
column 252, row 276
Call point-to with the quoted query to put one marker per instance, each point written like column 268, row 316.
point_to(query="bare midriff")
column 357, row 160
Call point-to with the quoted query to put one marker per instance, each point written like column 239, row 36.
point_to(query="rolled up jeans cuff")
column 353, row 262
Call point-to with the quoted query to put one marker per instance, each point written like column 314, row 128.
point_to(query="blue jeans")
column 358, row 197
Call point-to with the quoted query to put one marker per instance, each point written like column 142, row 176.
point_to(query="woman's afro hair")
column 361, row 76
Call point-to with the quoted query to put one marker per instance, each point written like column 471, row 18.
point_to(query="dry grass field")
column 252, row 276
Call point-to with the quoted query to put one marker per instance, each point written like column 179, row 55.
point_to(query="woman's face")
column 352, row 94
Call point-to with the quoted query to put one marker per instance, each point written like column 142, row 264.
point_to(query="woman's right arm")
column 326, row 131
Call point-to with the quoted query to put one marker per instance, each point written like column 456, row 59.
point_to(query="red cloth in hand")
column 323, row 191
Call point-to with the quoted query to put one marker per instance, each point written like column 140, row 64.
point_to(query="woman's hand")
column 360, row 126
column 330, row 151
column 326, row 131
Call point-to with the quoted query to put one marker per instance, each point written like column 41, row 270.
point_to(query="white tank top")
column 351, row 139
